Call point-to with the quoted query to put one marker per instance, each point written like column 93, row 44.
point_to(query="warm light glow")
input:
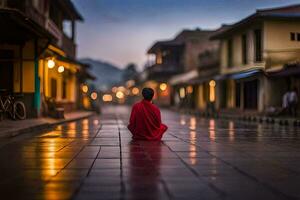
column 96, row 122
column 182, row 122
column 193, row 154
column 212, row 133
column 135, row 91
column 86, row 102
column 51, row 64
column 182, row 93
column 189, row 89
column 122, row 88
column 114, row 89
column 107, row 98
column 85, row 88
column 231, row 130
column 163, row 86
column 130, row 83
column 120, row 95
column 212, row 83
column 159, row 58
column 193, row 123
column 61, row 69
column 212, row 91
column 94, row 95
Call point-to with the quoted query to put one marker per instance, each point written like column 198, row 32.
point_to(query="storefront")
column 243, row 90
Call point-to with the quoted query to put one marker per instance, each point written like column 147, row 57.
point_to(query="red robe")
column 145, row 122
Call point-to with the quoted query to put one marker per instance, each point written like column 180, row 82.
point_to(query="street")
column 198, row 158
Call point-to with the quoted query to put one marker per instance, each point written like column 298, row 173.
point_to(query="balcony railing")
column 208, row 59
column 63, row 41
column 55, row 31
column 68, row 46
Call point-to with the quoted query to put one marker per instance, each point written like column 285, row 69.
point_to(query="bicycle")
column 16, row 109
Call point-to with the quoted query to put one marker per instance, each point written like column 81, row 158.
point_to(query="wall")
column 194, row 47
column 278, row 45
column 28, row 68
column 237, row 51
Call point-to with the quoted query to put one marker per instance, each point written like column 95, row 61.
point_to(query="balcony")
column 208, row 60
column 55, row 31
column 163, row 71
column 63, row 41
column 68, row 46
column 27, row 10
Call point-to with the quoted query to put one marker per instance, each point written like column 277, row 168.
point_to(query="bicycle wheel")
column 20, row 110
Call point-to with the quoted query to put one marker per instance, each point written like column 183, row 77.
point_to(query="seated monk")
column 145, row 120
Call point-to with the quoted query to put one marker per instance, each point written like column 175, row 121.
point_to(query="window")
column 258, row 45
column 293, row 36
column 53, row 88
column 64, row 89
column 229, row 53
column 244, row 49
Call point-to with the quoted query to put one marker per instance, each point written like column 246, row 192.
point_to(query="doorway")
column 6, row 70
column 250, row 94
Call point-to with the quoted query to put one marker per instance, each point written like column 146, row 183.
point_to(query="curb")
column 40, row 127
column 249, row 118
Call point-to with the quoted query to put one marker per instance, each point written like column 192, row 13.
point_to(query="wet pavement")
column 198, row 159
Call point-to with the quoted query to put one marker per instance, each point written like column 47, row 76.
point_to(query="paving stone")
column 198, row 158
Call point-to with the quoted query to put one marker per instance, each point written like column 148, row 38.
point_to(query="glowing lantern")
column 107, row 98
column 163, row 86
column 189, row 89
column 120, row 95
column 135, row 91
column 94, row 95
column 61, row 69
column 51, row 64
column 182, row 93
column 85, row 88
column 212, row 91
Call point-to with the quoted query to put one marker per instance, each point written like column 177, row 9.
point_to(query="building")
column 257, row 59
column 199, row 63
column 174, row 63
column 164, row 63
column 38, row 52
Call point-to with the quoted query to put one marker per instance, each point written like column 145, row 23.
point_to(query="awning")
column 245, row 74
column 184, row 78
column 290, row 70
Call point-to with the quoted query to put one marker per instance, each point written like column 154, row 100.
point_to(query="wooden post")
column 37, row 97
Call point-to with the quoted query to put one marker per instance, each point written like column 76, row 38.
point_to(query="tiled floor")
column 198, row 159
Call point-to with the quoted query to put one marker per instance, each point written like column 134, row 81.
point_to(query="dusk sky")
column 120, row 31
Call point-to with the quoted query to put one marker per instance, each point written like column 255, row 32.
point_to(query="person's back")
column 145, row 120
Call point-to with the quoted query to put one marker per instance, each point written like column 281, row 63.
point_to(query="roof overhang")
column 183, row 78
column 71, row 10
column 163, row 44
column 19, row 28
column 255, row 18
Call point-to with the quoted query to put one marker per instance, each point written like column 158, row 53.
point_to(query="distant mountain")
column 107, row 74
